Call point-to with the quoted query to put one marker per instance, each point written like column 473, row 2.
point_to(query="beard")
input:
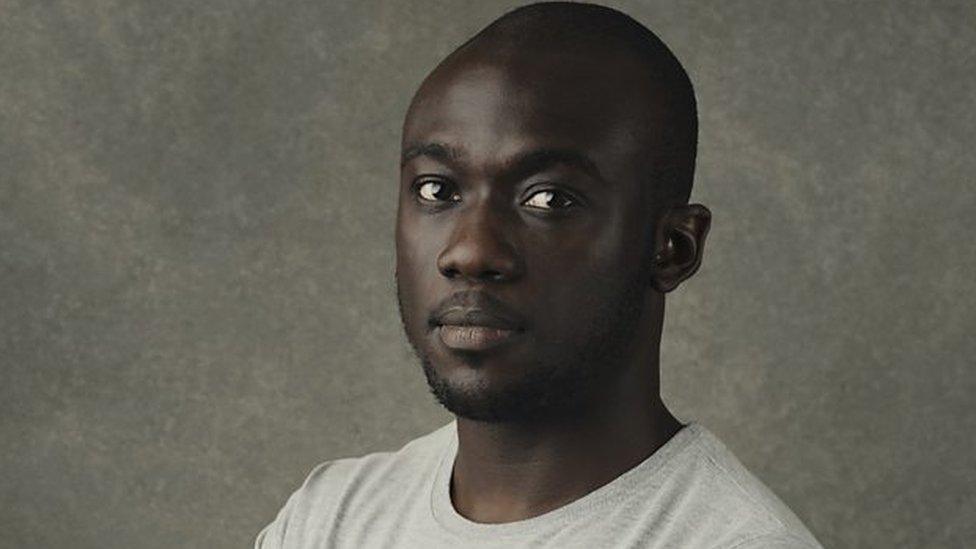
column 561, row 385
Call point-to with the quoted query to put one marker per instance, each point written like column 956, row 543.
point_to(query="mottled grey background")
column 196, row 258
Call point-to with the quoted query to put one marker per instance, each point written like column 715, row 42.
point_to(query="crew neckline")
column 447, row 516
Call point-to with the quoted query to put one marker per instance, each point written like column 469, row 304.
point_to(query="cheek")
column 416, row 263
column 598, row 247
column 412, row 242
column 574, row 274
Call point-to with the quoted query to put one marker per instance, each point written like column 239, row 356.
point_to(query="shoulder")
column 777, row 540
column 740, row 511
column 337, row 487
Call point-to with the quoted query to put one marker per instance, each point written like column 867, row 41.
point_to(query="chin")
column 480, row 394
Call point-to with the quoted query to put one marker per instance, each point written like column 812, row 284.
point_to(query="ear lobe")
column 684, row 229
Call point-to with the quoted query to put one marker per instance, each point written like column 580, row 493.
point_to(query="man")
column 543, row 215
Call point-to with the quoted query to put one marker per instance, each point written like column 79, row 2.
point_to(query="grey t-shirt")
column 692, row 492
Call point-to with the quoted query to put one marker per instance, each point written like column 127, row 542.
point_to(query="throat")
column 505, row 473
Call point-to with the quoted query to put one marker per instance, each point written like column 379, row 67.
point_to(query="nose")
column 478, row 249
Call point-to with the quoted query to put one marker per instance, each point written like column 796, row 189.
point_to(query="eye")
column 550, row 200
column 433, row 190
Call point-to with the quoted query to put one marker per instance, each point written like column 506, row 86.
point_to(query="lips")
column 468, row 329
column 474, row 338
column 474, row 316
column 473, row 321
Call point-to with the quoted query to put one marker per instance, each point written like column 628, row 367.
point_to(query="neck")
column 506, row 472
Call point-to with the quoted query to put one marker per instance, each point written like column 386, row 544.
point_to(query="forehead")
column 492, row 109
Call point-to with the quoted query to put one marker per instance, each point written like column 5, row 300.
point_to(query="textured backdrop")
column 196, row 258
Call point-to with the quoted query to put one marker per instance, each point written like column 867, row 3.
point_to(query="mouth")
column 474, row 338
column 476, row 326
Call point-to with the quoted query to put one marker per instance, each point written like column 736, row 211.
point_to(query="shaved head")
column 576, row 30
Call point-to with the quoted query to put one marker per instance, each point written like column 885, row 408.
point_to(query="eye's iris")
column 434, row 191
column 549, row 200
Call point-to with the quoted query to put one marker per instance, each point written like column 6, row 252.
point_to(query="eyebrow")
column 436, row 151
column 524, row 163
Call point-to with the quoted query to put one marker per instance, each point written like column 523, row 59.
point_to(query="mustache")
column 471, row 307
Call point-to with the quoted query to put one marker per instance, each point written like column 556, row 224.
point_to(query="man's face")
column 522, row 239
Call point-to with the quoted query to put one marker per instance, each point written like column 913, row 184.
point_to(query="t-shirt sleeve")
column 272, row 536
column 291, row 516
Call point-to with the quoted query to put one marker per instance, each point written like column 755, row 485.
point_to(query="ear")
column 680, row 237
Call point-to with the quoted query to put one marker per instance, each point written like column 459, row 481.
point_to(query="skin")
column 492, row 229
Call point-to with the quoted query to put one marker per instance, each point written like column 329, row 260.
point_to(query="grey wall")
column 196, row 220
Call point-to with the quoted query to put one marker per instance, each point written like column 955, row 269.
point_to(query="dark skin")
column 548, row 234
